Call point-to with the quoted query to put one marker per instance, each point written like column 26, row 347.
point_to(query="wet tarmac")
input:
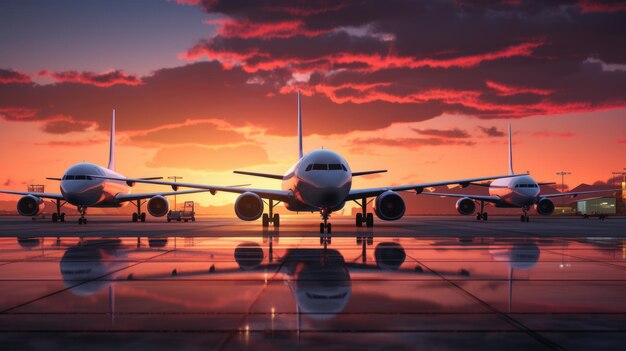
column 138, row 288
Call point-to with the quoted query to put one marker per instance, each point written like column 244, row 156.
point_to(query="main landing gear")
column 139, row 216
column 524, row 217
column 482, row 214
column 271, row 217
column 58, row 216
column 364, row 216
column 325, row 227
column 82, row 219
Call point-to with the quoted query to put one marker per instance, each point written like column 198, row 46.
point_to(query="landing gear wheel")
column 135, row 217
column 527, row 219
column 63, row 217
column 321, row 229
column 193, row 219
column 143, row 217
column 479, row 216
column 266, row 220
column 329, row 229
column 276, row 220
column 369, row 220
column 485, row 216
column 55, row 217
column 359, row 219
column 84, row 220
column 522, row 218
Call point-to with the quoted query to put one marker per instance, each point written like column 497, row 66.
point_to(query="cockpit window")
column 77, row 177
column 320, row 167
column 326, row 167
column 334, row 167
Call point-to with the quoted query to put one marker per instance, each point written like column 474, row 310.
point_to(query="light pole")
column 623, row 174
column 176, row 178
column 563, row 174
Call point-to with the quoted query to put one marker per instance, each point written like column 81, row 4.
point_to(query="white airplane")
column 520, row 191
column 80, row 188
column 318, row 181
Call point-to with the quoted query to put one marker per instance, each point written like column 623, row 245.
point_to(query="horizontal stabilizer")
column 264, row 175
column 356, row 174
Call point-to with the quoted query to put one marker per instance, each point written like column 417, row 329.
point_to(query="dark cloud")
column 8, row 76
column 65, row 125
column 444, row 133
column 492, row 131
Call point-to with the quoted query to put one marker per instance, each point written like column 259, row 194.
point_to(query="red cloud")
column 255, row 60
column 17, row 113
column 104, row 79
column 621, row 141
column 553, row 135
column 230, row 28
column 8, row 76
column 409, row 143
column 508, row 90
column 595, row 6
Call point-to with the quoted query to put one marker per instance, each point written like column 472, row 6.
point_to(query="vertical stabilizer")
column 510, row 152
column 299, row 126
column 112, row 144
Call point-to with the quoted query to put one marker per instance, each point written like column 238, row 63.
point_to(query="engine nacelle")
column 389, row 206
column 545, row 207
column 465, row 206
column 30, row 205
column 158, row 206
column 249, row 206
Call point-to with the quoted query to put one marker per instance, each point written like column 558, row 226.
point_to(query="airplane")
column 519, row 191
column 79, row 188
column 319, row 181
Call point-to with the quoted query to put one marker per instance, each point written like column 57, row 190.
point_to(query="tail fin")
column 510, row 152
column 112, row 144
column 299, row 126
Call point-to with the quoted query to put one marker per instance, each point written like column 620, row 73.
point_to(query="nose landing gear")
column 325, row 226
column 82, row 219
column 524, row 217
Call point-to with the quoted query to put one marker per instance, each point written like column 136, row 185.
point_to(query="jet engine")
column 249, row 206
column 158, row 206
column 465, row 206
column 30, row 205
column 389, row 206
column 545, row 207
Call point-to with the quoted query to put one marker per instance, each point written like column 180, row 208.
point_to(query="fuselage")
column 80, row 189
column 320, row 180
column 519, row 191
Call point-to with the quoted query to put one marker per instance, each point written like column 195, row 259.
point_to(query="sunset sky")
column 423, row 89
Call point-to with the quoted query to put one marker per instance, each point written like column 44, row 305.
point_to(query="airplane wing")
column 141, row 196
column 278, row 195
column 42, row 195
column 576, row 193
column 369, row 192
column 486, row 198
